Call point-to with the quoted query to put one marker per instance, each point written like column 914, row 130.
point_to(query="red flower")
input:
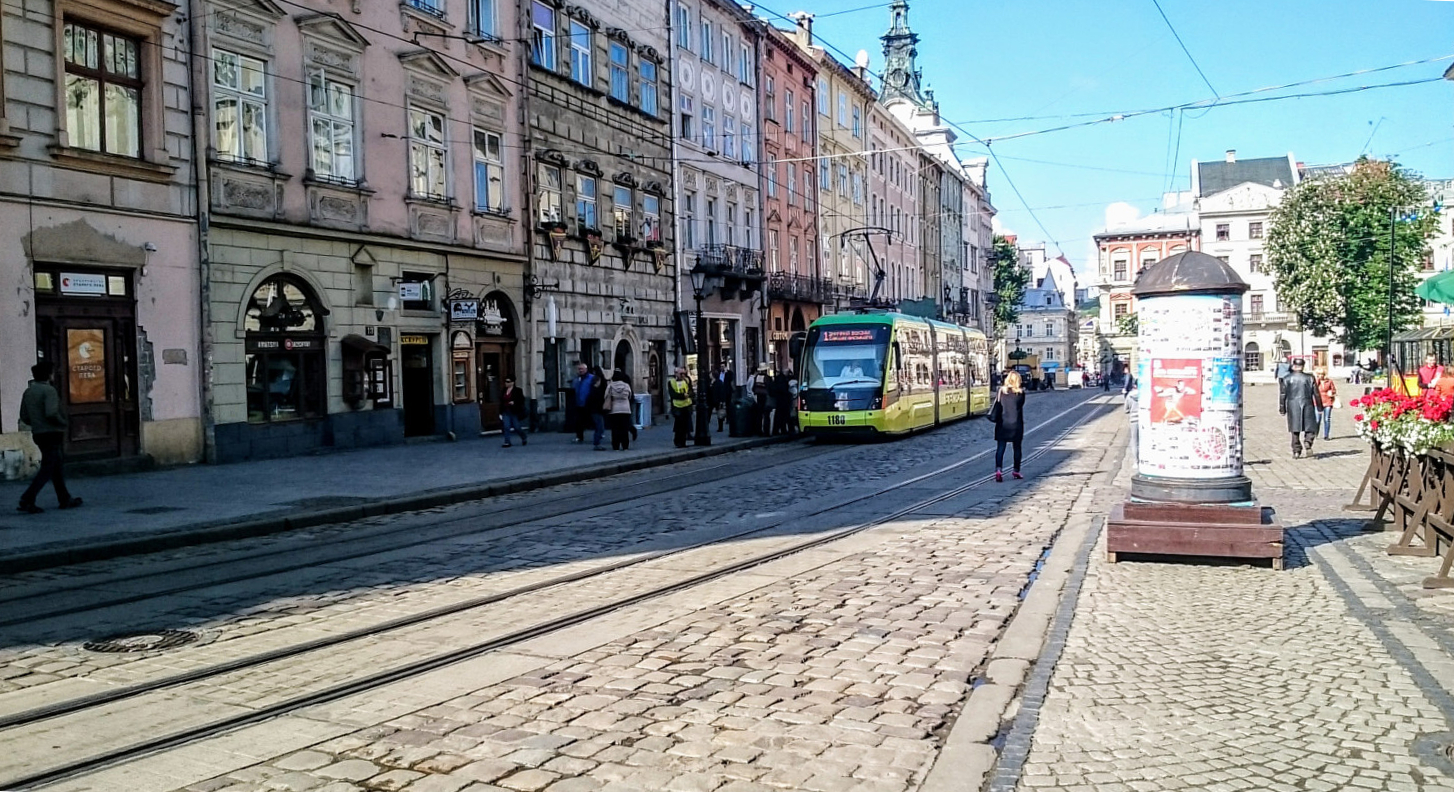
column 1358, row 417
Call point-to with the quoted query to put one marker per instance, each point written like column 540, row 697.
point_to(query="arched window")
column 1252, row 357
column 287, row 373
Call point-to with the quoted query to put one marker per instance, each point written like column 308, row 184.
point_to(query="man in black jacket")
column 1300, row 402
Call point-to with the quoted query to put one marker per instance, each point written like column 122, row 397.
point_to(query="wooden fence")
column 1413, row 495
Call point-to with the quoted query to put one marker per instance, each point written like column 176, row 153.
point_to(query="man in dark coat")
column 1300, row 402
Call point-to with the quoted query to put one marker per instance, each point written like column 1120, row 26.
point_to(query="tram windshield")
column 846, row 355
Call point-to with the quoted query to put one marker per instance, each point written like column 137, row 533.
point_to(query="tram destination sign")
column 844, row 336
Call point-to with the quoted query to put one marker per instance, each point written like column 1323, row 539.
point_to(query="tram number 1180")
column 837, row 420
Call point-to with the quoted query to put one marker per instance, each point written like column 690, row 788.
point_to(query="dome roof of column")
column 1192, row 272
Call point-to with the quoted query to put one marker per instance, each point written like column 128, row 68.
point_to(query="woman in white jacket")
column 618, row 411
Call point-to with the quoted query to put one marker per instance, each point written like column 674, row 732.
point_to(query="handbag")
column 996, row 412
column 1337, row 405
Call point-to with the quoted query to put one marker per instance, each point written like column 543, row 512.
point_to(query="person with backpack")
column 512, row 412
column 761, row 391
column 617, row 404
column 1008, row 416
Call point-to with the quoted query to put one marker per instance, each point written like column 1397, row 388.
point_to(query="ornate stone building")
column 363, row 248
column 603, row 256
column 721, row 115
column 98, row 237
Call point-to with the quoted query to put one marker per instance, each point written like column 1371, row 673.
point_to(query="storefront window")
column 286, row 372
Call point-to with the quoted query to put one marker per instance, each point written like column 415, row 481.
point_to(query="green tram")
column 890, row 374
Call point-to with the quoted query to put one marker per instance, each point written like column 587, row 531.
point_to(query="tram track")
column 113, row 755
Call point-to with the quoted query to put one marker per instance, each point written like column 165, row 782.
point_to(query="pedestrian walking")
column 763, row 418
column 581, row 388
column 719, row 393
column 1328, row 392
column 1284, row 367
column 781, row 401
column 596, row 407
column 793, row 390
column 41, row 413
column 1300, row 402
column 618, row 399
column 680, row 389
column 513, row 412
column 1008, row 416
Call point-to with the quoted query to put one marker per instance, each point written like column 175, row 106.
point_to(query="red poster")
column 1176, row 386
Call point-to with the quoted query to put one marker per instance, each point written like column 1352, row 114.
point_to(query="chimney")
column 1231, row 155
column 860, row 65
column 804, row 32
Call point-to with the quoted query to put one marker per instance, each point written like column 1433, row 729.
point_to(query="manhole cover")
column 155, row 510
column 142, row 642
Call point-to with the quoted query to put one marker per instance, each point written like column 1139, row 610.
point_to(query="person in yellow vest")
column 680, row 388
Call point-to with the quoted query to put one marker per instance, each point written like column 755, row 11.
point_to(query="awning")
column 363, row 345
column 1050, row 366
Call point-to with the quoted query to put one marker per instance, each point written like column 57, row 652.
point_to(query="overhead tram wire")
column 1184, row 49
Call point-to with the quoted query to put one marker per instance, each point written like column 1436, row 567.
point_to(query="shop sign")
column 74, row 283
column 493, row 320
column 283, row 344
column 86, row 365
column 413, row 339
column 780, row 335
column 413, row 292
column 464, row 310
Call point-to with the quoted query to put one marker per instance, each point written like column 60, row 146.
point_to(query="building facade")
column 1046, row 329
column 98, row 244
column 718, row 140
column 1122, row 252
column 977, row 273
column 363, row 254
column 796, row 289
column 603, row 256
column 894, row 191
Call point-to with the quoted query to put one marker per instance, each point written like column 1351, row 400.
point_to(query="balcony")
column 730, row 261
column 799, row 288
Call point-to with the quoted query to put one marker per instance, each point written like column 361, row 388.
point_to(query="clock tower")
column 901, row 75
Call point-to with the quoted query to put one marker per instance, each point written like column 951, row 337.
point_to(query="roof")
column 1180, row 223
column 1214, row 177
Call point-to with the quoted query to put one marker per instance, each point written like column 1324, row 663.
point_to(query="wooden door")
column 93, row 349
column 493, row 363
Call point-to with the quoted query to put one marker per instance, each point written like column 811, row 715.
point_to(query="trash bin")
column 641, row 415
column 743, row 416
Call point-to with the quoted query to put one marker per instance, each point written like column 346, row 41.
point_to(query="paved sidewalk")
column 1336, row 673
column 142, row 512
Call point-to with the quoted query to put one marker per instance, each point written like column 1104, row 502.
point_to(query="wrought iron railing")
column 732, row 260
column 799, row 288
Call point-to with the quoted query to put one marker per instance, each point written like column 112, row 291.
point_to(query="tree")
column 1128, row 324
column 1329, row 245
column 1010, row 281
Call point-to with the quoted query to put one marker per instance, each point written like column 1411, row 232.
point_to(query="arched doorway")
column 624, row 360
column 797, row 323
column 496, row 336
column 286, row 363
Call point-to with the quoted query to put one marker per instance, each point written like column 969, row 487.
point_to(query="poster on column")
column 1190, row 409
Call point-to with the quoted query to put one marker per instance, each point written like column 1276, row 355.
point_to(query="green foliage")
column 1010, row 281
column 1328, row 252
column 1128, row 325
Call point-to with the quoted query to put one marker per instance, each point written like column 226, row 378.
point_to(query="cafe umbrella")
column 1438, row 288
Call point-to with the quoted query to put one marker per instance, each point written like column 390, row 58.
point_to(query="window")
column 1256, row 306
column 709, row 127
column 647, row 71
column 585, row 202
column 239, row 106
column 489, row 172
column 684, row 27
column 769, row 89
column 620, row 79
column 771, row 176
column 744, row 65
column 729, row 137
column 807, row 186
column 772, row 248
column 1119, row 265
column 747, row 226
column 580, row 53
column 426, row 291
column 857, row 121
column 843, row 180
column 550, row 194
column 1252, row 357
column 807, row 128
column 650, row 218
column 427, row 155
column 857, row 188
column 1225, row 259
column 1255, row 261
column 1049, row 327
column 825, row 177
column 711, row 221
column 103, row 91
column 1254, row 230
column 842, row 109
column 330, row 124
column 542, row 35
column 822, row 97
column 726, row 54
column 1224, row 232
column 706, row 52
column 731, row 223
column 1119, row 310
column 689, row 127
column 428, row 6
column 1147, row 259
column 482, row 18
column 788, row 111
column 621, row 205
column 286, row 359
column 792, row 185
column 689, row 221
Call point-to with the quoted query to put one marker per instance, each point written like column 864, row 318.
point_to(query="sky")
column 989, row 60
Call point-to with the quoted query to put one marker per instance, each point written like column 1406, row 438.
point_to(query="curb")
column 207, row 533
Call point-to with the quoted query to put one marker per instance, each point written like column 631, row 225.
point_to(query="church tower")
column 901, row 75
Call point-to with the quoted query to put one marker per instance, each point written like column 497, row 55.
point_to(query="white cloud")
column 1121, row 213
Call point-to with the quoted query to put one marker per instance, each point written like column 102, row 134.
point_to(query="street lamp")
column 699, row 286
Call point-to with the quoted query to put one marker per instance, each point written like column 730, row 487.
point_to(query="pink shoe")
column 1016, row 474
column 999, row 476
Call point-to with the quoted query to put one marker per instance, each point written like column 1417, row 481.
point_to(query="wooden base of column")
column 1214, row 531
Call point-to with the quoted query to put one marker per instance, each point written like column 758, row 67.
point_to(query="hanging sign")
column 464, row 310
column 411, row 291
column 594, row 246
column 557, row 242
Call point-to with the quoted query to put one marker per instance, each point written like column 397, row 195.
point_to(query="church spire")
column 901, row 74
